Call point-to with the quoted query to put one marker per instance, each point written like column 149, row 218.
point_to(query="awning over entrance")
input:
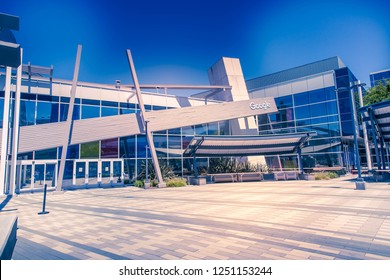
column 231, row 146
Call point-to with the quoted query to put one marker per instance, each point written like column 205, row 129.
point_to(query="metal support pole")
column 5, row 130
column 355, row 133
column 383, row 153
column 44, row 202
column 360, row 184
column 195, row 167
column 300, row 163
column 366, row 143
column 373, row 131
column 69, row 120
column 149, row 135
column 16, row 129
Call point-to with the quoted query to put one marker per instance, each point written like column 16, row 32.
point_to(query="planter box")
column 308, row 177
column 268, row 177
column 197, row 181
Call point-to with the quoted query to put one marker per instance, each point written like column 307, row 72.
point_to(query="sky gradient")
column 177, row 41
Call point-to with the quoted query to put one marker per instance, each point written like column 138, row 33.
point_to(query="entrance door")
column 106, row 172
column 79, row 173
column 93, row 173
column 98, row 172
column 117, row 172
column 34, row 174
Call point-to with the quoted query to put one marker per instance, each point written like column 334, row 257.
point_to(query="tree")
column 378, row 93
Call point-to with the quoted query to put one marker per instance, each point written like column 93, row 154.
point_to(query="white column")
column 366, row 144
column 4, row 137
column 15, row 137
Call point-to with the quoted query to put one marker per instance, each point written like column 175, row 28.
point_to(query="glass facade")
column 320, row 103
column 170, row 144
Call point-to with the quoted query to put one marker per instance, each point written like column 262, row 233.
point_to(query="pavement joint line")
column 225, row 221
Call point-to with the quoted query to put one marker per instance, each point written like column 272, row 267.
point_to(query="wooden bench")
column 250, row 176
column 224, row 177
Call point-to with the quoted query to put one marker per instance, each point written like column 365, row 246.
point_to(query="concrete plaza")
column 257, row 220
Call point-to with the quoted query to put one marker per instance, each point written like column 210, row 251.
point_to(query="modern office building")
column 312, row 97
column 382, row 76
column 109, row 131
column 108, row 136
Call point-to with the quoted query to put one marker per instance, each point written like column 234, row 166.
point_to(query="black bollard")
column 44, row 202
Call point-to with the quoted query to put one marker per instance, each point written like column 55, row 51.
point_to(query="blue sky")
column 177, row 41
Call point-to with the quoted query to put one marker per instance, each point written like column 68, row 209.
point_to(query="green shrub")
column 325, row 175
column 176, row 182
column 139, row 184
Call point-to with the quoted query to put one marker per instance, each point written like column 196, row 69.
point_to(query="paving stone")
column 260, row 220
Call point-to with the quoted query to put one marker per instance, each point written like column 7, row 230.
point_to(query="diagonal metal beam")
column 69, row 121
column 148, row 133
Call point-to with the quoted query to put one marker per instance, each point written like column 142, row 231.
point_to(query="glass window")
column 88, row 112
column 89, row 150
column 28, row 96
column 46, row 154
column 175, row 164
column 303, row 122
column 141, row 144
column 156, row 108
column 342, row 81
column 213, row 128
column 109, row 111
column 127, row 147
column 317, row 95
column 318, row 110
column 48, row 98
column 347, row 128
column 176, row 131
column 47, row 112
column 201, row 129
column 129, row 169
column 27, row 112
column 330, row 93
column 109, row 148
column 127, row 105
column 91, row 102
column 285, row 115
column 68, row 172
column 64, row 112
column 301, row 98
column 110, row 104
column 345, row 105
column 188, row 130
column 123, row 111
column 346, row 117
column 331, row 108
column 334, row 130
column 147, row 107
column 319, row 120
column 224, row 128
column 65, row 99
column 302, row 112
column 73, row 152
column 186, row 141
column 161, row 145
column 25, row 156
column 174, row 146
column 283, row 102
